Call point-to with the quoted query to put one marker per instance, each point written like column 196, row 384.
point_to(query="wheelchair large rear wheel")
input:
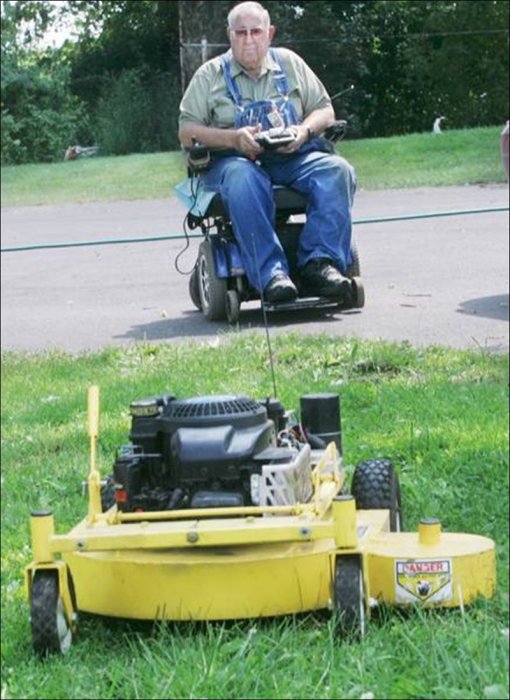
column 194, row 289
column 213, row 291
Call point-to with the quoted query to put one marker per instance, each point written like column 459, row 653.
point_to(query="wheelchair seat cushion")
column 204, row 202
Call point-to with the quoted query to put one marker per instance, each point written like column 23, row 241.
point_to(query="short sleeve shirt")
column 207, row 100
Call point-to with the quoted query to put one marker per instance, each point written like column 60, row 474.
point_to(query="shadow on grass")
column 91, row 624
column 124, row 630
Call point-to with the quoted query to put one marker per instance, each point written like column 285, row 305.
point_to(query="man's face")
column 250, row 38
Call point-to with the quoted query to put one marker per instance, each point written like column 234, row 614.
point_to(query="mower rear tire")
column 212, row 290
column 375, row 485
column 349, row 596
column 51, row 632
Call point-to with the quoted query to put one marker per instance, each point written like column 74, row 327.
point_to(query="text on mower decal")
column 422, row 567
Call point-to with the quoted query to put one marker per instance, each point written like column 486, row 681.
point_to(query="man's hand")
column 246, row 143
column 301, row 133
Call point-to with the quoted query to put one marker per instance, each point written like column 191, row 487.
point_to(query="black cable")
column 194, row 194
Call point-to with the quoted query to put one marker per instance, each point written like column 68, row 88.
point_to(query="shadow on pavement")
column 193, row 324
column 495, row 307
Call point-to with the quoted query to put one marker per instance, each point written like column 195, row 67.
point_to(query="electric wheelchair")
column 218, row 284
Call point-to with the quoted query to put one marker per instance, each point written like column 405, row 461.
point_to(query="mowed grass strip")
column 440, row 415
column 456, row 157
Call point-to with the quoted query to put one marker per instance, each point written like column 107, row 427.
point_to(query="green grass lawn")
column 455, row 157
column 441, row 415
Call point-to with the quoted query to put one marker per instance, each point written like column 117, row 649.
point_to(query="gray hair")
column 243, row 7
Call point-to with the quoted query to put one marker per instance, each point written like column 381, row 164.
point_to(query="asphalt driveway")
column 429, row 281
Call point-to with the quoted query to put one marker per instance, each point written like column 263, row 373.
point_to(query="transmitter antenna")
column 264, row 315
column 342, row 92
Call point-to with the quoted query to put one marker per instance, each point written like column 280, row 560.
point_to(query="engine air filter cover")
column 215, row 410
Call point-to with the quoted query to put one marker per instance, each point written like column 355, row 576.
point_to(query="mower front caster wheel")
column 51, row 632
column 349, row 597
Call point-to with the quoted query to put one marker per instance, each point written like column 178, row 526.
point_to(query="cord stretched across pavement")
column 176, row 236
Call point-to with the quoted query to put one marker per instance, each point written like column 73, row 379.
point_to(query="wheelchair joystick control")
column 198, row 156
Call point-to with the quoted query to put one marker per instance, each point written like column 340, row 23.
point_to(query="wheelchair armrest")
column 335, row 131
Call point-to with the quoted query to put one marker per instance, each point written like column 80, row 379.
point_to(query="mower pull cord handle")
column 94, row 480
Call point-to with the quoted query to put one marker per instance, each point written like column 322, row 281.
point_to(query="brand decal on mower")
column 423, row 580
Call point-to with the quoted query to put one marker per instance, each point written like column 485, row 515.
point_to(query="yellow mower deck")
column 251, row 562
column 263, row 566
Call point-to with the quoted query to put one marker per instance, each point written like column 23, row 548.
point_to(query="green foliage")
column 409, row 61
column 138, row 113
column 122, row 35
column 443, row 62
column 45, row 120
column 40, row 116
column 441, row 415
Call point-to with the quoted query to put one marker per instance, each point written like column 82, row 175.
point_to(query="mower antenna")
column 264, row 316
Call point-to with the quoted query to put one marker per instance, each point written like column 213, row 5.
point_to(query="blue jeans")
column 328, row 182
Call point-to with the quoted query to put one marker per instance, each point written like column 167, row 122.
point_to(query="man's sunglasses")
column 256, row 32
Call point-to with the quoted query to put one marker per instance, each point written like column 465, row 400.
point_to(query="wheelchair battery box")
column 274, row 138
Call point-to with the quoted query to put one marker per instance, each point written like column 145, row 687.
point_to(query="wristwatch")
column 311, row 133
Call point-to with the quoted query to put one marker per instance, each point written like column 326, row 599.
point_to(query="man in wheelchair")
column 260, row 112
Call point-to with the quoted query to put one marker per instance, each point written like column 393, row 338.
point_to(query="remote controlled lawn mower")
column 226, row 507
column 218, row 284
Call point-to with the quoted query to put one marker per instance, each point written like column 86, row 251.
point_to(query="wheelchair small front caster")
column 357, row 293
column 232, row 306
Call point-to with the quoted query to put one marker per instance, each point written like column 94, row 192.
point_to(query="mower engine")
column 219, row 452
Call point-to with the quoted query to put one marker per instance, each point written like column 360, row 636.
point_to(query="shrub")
column 40, row 117
column 137, row 113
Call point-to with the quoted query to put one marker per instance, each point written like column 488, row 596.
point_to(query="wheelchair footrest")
column 304, row 303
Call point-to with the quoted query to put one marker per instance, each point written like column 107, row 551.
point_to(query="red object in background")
column 504, row 149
